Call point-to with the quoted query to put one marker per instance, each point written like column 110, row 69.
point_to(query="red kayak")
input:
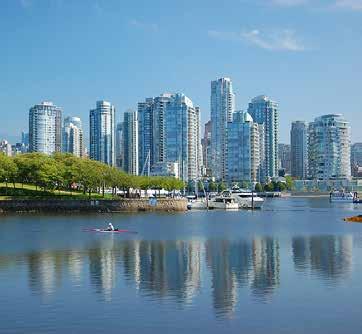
column 100, row 230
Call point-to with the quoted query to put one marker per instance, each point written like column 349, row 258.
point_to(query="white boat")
column 247, row 199
column 223, row 202
column 196, row 204
column 341, row 197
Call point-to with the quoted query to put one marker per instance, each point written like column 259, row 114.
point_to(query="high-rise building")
column 25, row 138
column 119, row 145
column 256, row 153
column 356, row 154
column 243, row 156
column 356, row 159
column 222, row 107
column 329, row 148
column 206, row 149
column 151, row 128
column 102, row 133
column 23, row 146
column 73, row 136
column 45, row 128
column 19, row 148
column 284, row 158
column 130, row 142
column 182, row 136
column 5, row 148
column 163, row 143
column 299, row 149
column 262, row 170
column 265, row 111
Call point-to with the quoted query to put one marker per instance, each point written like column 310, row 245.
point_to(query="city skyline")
column 275, row 39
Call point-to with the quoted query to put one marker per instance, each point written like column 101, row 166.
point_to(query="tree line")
column 66, row 172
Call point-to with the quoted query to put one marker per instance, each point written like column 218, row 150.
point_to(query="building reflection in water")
column 172, row 269
column 46, row 269
column 266, row 267
column 328, row 257
column 75, row 266
column 164, row 268
column 238, row 264
column 102, row 267
column 42, row 272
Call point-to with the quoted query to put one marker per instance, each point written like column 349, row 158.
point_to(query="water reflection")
column 327, row 257
column 266, row 267
column 42, row 272
column 173, row 269
column 164, row 268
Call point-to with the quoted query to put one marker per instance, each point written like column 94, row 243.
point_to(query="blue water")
column 294, row 267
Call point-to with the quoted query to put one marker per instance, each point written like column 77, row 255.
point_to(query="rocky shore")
column 121, row 205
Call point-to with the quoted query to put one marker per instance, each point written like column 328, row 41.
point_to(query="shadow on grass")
column 26, row 193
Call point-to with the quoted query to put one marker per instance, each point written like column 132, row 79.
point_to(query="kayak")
column 100, row 230
column 355, row 219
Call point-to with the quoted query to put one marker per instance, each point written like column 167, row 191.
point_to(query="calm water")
column 294, row 267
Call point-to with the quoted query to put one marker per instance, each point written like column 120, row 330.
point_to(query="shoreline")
column 95, row 206
column 309, row 195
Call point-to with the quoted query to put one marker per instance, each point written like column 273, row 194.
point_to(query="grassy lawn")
column 28, row 191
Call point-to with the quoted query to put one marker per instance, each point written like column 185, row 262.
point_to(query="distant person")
column 110, row 227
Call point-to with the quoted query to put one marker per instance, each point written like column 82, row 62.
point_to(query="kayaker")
column 110, row 227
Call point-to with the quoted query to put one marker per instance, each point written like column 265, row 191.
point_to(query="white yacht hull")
column 197, row 205
column 342, row 200
column 223, row 206
column 342, row 197
column 248, row 202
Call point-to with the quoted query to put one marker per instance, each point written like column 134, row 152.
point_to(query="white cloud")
column 277, row 40
column 143, row 25
column 349, row 4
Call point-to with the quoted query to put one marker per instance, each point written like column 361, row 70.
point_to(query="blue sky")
column 305, row 54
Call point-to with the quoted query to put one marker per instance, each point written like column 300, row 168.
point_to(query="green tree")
column 281, row 186
column 269, row 186
column 49, row 174
column 212, row 186
column 258, row 188
column 290, row 182
column 28, row 167
column 245, row 184
column 8, row 170
column 221, row 186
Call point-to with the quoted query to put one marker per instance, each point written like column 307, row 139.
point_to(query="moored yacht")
column 247, row 199
column 223, row 202
column 196, row 204
column 342, row 197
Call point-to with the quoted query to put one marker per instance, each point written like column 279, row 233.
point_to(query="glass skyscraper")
column 45, row 128
column 182, row 136
column 73, row 136
column 243, row 155
column 356, row 154
column 119, row 145
column 130, row 142
column 151, row 128
column 284, row 158
column 206, row 149
column 222, row 107
column 102, row 133
column 265, row 111
column 169, row 134
column 329, row 148
column 299, row 149
column 356, row 159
